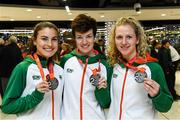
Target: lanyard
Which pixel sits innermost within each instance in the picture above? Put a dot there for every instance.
(51, 75)
(139, 60)
(130, 66)
(94, 51)
(95, 70)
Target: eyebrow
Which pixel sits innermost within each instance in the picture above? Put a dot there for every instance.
(48, 37)
(43, 36)
(86, 35)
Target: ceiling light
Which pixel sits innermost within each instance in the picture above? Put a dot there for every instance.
(11, 19)
(138, 12)
(67, 9)
(163, 14)
(38, 17)
(29, 10)
(102, 16)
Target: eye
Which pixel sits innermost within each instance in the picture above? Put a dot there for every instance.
(79, 38)
(119, 37)
(44, 38)
(129, 37)
(54, 39)
(89, 37)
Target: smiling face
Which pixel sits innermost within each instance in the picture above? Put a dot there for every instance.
(85, 42)
(46, 42)
(126, 41)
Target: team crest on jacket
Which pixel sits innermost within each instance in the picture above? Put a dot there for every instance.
(69, 70)
(114, 75)
(60, 76)
(36, 77)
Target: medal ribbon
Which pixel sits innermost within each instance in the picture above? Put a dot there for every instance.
(36, 58)
(139, 60)
(94, 51)
(95, 71)
(51, 74)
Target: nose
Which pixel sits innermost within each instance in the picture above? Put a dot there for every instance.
(84, 40)
(124, 41)
(49, 42)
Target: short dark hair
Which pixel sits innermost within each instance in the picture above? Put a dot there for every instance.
(164, 42)
(155, 42)
(82, 23)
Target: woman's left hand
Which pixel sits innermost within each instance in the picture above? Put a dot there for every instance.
(151, 86)
(102, 83)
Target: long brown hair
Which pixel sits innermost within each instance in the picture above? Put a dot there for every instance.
(37, 28)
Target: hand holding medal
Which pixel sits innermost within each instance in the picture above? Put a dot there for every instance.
(102, 83)
(151, 86)
(97, 80)
(43, 87)
(49, 79)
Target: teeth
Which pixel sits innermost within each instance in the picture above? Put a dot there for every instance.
(84, 46)
(48, 49)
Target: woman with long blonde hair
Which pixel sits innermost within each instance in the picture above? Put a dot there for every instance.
(138, 86)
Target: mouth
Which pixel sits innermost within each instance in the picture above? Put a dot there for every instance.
(85, 46)
(48, 49)
(124, 47)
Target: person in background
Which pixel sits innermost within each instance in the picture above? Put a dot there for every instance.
(138, 86)
(165, 60)
(100, 46)
(86, 75)
(65, 49)
(1, 47)
(34, 91)
(1, 42)
(10, 56)
(175, 57)
(156, 45)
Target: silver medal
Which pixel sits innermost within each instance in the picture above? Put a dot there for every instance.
(53, 84)
(94, 79)
(139, 76)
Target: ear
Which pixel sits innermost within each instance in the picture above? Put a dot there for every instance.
(34, 42)
(137, 41)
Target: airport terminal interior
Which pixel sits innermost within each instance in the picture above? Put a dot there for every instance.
(159, 18)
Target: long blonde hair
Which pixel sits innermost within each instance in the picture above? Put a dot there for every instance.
(142, 47)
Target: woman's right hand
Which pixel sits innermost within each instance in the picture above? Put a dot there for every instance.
(102, 83)
(43, 87)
